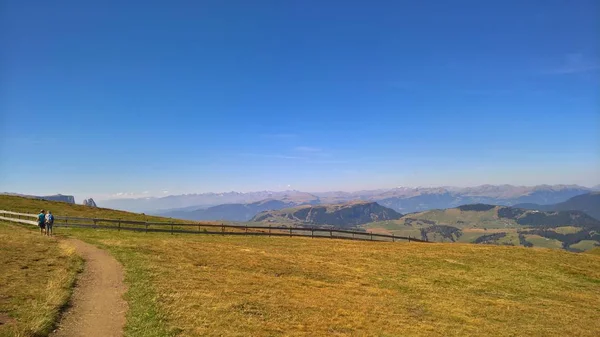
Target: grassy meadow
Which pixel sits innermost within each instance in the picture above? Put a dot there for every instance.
(36, 277)
(202, 285)
(238, 286)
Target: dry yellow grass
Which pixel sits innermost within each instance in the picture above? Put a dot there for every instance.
(36, 276)
(197, 285)
(242, 286)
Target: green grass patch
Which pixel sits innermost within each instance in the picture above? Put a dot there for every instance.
(465, 219)
(469, 237)
(584, 245)
(542, 242)
(567, 229)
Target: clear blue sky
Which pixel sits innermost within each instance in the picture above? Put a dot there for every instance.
(106, 97)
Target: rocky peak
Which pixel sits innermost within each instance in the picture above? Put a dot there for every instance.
(89, 202)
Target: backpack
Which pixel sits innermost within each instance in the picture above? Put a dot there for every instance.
(50, 218)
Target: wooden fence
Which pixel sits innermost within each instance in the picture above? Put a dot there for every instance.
(208, 228)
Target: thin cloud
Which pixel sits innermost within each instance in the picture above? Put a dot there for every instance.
(307, 149)
(276, 156)
(280, 135)
(126, 195)
(401, 84)
(486, 92)
(33, 140)
(318, 161)
(574, 64)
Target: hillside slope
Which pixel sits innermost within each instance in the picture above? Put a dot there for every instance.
(481, 223)
(588, 203)
(33, 206)
(57, 197)
(343, 215)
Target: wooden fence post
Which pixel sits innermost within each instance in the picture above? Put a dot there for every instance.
(312, 232)
(146, 226)
(269, 230)
(119, 225)
(330, 234)
(393, 238)
(290, 232)
(171, 229)
(371, 236)
(95, 225)
(198, 227)
(222, 228)
(246, 228)
(409, 238)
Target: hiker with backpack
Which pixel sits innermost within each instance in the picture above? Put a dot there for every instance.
(49, 223)
(41, 220)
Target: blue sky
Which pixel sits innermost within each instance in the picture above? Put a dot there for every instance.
(153, 97)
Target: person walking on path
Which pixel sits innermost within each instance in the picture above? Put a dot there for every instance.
(42, 221)
(49, 223)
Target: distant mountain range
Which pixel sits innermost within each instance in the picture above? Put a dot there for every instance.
(58, 197)
(230, 212)
(344, 215)
(202, 201)
(234, 206)
(588, 203)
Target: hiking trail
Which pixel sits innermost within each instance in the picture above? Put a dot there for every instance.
(97, 307)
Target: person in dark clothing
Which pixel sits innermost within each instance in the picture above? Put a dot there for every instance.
(42, 221)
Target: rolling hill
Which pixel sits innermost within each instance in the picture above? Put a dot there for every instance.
(342, 215)
(481, 223)
(588, 203)
(33, 205)
(229, 212)
(57, 197)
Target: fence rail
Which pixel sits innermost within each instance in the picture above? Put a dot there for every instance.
(209, 228)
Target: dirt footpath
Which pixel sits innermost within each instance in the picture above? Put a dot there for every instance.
(97, 307)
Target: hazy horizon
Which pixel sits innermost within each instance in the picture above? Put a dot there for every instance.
(100, 98)
(147, 194)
